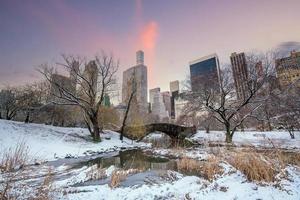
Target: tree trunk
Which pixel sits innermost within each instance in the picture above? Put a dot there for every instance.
(291, 132)
(96, 133)
(7, 115)
(125, 116)
(27, 117)
(228, 134)
(269, 125)
(242, 127)
(228, 138)
(207, 129)
(96, 128)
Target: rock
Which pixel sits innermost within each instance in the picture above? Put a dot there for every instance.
(223, 189)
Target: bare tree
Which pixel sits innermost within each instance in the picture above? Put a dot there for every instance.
(92, 83)
(288, 109)
(221, 101)
(34, 96)
(11, 101)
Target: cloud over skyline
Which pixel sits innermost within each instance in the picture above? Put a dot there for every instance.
(171, 32)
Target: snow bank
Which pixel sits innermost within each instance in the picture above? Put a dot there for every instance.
(280, 139)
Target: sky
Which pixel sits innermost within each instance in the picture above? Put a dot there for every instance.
(170, 32)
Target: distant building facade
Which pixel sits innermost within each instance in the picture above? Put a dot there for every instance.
(174, 89)
(167, 101)
(205, 72)
(180, 103)
(67, 83)
(152, 93)
(139, 71)
(240, 74)
(91, 74)
(288, 69)
(259, 70)
(159, 103)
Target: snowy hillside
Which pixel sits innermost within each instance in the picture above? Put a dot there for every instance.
(49, 143)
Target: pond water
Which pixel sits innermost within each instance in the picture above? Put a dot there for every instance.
(135, 159)
(154, 169)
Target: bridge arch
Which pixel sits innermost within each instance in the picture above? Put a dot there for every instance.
(176, 132)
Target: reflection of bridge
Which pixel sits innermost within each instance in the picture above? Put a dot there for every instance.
(174, 131)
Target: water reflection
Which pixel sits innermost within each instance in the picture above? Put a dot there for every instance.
(134, 159)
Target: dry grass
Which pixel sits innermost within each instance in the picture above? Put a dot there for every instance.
(120, 175)
(188, 165)
(258, 164)
(12, 167)
(12, 189)
(117, 177)
(255, 166)
(284, 158)
(207, 169)
(96, 173)
(14, 158)
(45, 190)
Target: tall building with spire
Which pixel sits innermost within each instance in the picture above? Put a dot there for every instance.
(138, 73)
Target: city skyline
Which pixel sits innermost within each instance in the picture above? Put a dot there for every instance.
(34, 33)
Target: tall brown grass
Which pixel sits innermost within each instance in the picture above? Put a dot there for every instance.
(208, 169)
(14, 158)
(96, 173)
(12, 167)
(120, 175)
(117, 177)
(255, 166)
(45, 191)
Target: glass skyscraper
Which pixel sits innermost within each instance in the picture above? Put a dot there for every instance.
(205, 72)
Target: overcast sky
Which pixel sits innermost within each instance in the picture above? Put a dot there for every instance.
(171, 32)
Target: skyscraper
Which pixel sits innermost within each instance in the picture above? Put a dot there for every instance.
(90, 73)
(139, 57)
(288, 69)
(205, 72)
(240, 73)
(67, 83)
(139, 72)
(158, 105)
(167, 101)
(152, 92)
(174, 89)
(73, 74)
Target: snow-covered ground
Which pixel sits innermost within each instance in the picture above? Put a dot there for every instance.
(280, 139)
(231, 185)
(50, 143)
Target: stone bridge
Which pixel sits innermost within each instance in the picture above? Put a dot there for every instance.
(176, 132)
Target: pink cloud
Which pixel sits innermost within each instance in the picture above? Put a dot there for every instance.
(148, 36)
